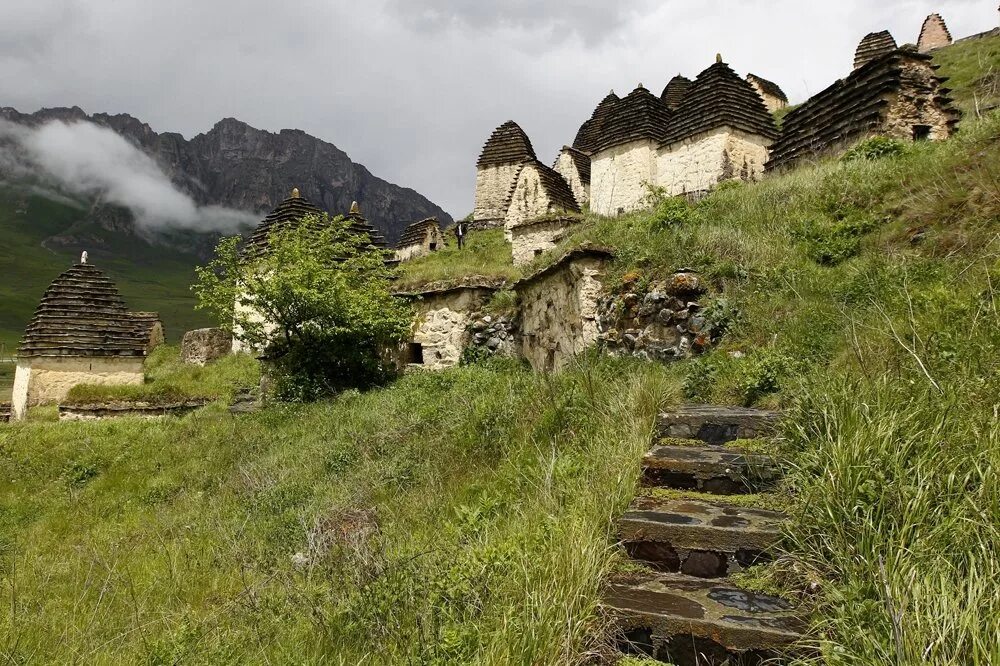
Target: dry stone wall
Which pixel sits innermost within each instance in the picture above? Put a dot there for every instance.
(663, 323)
(532, 239)
(135, 409)
(441, 329)
(204, 345)
(558, 309)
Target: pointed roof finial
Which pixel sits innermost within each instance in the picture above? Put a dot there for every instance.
(355, 209)
(83, 257)
(718, 57)
(295, 193)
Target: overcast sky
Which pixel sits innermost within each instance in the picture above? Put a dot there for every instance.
(412, 88)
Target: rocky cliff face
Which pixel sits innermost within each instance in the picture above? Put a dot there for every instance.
(239, 166)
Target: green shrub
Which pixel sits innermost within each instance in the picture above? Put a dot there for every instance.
(699, 379)
(830, 242)
(875, 148)
(317, 303)
(761, 374)
(671, 212)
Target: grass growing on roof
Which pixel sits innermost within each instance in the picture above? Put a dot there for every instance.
(486, 254)
(169, 379)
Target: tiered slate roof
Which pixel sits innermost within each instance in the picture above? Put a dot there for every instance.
(82, 315)
(290, 211)
(507, 145)
(638, 116)
(590, 131)
(416, 232)
(675, 90)
(873, 46)
(146, 321)
(556, 188)
(720, 97)
(361, 226)
(769, 87)
(849, 109)
(285, 214)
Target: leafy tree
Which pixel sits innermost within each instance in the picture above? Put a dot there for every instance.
(316, 302)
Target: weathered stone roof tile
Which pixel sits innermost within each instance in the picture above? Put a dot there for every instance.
(873, 46)
(82, 314)
(590, 132)
(769, 87)
(675, 90)
(639, 116)
(556, 187)
(416, 232)
(507, 145)
(720, 97)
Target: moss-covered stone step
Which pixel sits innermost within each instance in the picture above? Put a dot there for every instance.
(698, 538)
(717, 425)
(684, 620)
(713, 470)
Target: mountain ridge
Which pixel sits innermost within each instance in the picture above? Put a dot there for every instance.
(236, 165)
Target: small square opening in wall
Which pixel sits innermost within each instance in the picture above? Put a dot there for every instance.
(538, 253)
(921, 132)
(414, 353)
(434, 247)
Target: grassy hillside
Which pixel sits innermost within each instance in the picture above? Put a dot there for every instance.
(150, 278)
(467, 516)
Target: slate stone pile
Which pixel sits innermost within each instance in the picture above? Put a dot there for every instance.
(494, 335)
(665, 323)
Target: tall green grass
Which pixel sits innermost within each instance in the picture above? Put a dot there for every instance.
(462, 517)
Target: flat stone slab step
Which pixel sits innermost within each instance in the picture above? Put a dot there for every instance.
(709, 469)
(685, 620)
(698, 538)
(716, 424)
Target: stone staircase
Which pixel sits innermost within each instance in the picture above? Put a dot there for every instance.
(677, 606)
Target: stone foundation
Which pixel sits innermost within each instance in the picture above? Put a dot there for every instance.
(532, 239)
(48, 380)
(96, 412)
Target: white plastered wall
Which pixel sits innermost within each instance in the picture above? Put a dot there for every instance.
(566, 167)
(699, 163)
(43, 380)
(493, 186)
(619, 177)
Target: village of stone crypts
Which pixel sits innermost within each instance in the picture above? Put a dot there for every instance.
(741, 329)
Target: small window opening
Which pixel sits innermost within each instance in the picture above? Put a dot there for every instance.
(538, 253)
(414, 353)
(921, 132)
(434, 247)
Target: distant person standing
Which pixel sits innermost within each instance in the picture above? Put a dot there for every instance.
(460, 234)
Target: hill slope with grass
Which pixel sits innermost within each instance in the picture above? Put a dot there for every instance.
(468, 516)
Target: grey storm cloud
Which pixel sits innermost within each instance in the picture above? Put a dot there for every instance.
(592, 20)
(412, 88)
(88, 160)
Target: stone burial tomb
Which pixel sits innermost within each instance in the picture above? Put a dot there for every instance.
(81, 333)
